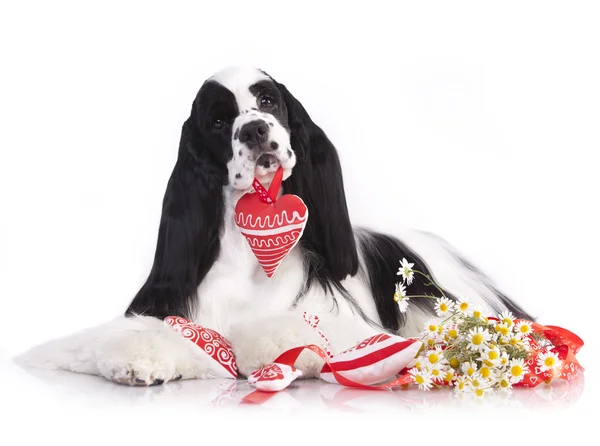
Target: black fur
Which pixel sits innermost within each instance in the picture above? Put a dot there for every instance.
(382, 255)
(328, 239)
(192, 212)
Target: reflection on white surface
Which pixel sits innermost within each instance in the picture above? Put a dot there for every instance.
(302, 395)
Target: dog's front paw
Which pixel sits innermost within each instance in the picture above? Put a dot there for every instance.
(139, 358)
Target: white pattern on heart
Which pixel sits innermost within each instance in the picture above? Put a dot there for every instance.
(245, 221)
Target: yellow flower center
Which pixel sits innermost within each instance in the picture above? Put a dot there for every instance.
(464, 306)
(430, 342)
(461, 385)
(504, 383)
(433, 358)
(514, 341)
(524, 329)
(477, 339)
(440, 329)
(504, 330)
(396, 298)
(433, 328)
(454, 363)
(485, 372)
(516, 370)
(418, 365)
(449, 376)
(452, 333)
(475, 383)
(504, 360)
(549, 361)
(497, 328)
(443, 307)
(507, 321)
(435, 372)
(479, 392)
(419, 379)
(470, 371)
(493, 354)
(476, 313)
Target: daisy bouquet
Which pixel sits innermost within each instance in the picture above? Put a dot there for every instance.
(478, 354)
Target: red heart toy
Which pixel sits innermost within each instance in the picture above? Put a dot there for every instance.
(272, 226)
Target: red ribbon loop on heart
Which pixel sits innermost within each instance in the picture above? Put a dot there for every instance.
(269, 196)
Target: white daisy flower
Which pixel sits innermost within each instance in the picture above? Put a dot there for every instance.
(517, 369)
(400, 297)
(506, 317)
(435, 357)
(400, 292)
(523, 328)
(422, 378)
(469, 368)
(478, 312)
(491, 356)
(464, 306)
(436, 371)
(502, 329)
(450, 331)
(431, 329)
(480, 385)
(449, 376)
(443, 306)
(504, 360)
(477, 338)
(462, 384)
(406, 271)
(548, 361)
(504, 384)
(515, 340)
(403, 304)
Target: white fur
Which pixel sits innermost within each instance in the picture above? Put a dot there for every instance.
(245, 164)
(239, 301)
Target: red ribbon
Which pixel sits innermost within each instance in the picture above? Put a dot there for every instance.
(269, 196)
(289, 358)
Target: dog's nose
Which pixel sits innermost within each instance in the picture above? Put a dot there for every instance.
(253, 133)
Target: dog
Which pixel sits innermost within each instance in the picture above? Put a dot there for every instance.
(245, 125)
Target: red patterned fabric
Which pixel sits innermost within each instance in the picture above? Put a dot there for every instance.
(374, 360)
(273, 377)
(210, 342)
(565, 344)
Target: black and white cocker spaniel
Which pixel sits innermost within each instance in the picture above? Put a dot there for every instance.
(244, 124)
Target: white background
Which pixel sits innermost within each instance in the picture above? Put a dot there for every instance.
(474, 120)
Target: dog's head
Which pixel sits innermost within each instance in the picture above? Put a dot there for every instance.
(245, 125)
(242, 115)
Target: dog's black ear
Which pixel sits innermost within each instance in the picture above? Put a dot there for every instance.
(188, 236)
(317, 179)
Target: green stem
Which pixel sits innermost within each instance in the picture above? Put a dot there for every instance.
(420, 295)
(431, 282)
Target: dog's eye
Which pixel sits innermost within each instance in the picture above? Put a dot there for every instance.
(218, 124)
(267, 101)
